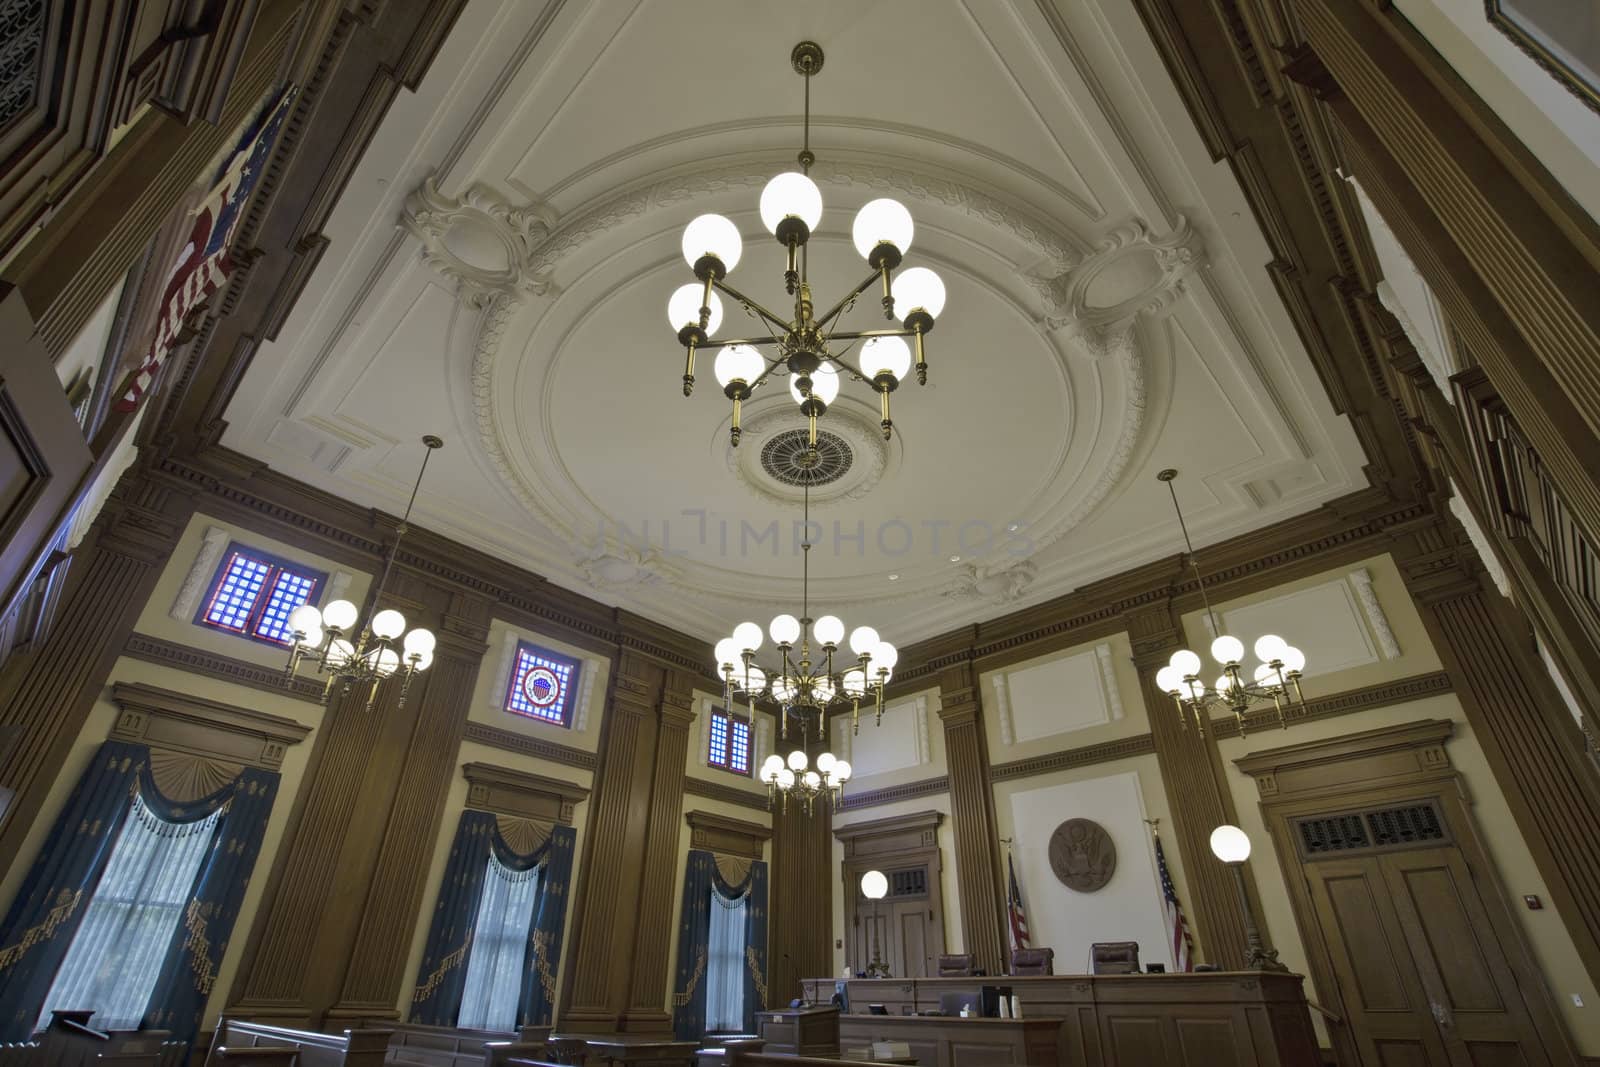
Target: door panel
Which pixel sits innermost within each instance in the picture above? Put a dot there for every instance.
(912, 927)
(1383, 994)
(1461, 962)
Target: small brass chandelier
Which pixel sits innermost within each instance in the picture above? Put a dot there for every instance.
(319, 636)
(1274, 678)
(808, 347)
(806, 681)
(793, 777)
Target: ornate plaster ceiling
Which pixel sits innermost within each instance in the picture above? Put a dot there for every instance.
(500, 265)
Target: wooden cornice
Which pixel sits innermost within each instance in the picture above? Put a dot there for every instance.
(224, 668)
(711, 826)
(890, 794)
(519, 793)
(164, 718)
(895, 825)
(727, 794)
(538, 747)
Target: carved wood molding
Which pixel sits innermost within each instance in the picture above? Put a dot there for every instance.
(518, 793)
(224, 668)
(1405, 753)
(162, 718)
(728, 794)
(889, 794)
(1382, 695)
(719, 833)
(912, 832)
(1082, 756)
(522, 744)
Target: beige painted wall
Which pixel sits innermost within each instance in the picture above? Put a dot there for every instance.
(907, 747)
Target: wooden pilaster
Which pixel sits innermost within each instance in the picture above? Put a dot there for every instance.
(977, 843)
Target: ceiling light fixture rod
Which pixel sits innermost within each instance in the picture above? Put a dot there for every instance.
(1169, 476)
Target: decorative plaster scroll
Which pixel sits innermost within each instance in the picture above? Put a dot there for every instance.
(763, 742)
(580, 717)
(924, 748)
(479, 240)
(1002, 705)
(199, 576)
(1108, 680)
(1361, 581)
(1102, 324)
(1486, 553)
(846, 738)
(999, 583)
(338, 585)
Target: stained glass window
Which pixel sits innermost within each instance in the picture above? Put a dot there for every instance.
(730, 744)
(253, 593)
(543, 685)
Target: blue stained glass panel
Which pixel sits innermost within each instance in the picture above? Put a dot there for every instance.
(729, 747)
(288, 592)
(235, 593)
(541, 685)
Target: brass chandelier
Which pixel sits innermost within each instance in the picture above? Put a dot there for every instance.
(1274, 678)
(812, 675)
(808, 347)
(321, 637)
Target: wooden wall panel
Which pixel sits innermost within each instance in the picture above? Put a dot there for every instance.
(977, 844)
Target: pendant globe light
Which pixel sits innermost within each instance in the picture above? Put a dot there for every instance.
(807, 347)
(1275, 677)
(379, 652)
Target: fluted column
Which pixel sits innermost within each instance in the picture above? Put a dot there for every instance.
(46, 695)
(800, 935)
(647, 996)
(977, 844)
(376, 972)
(1197, 796)
(1518, 717)
(598, 976)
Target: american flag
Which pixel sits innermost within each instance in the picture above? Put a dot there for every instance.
(1178, 937)
(1019, 921)
(204, 264)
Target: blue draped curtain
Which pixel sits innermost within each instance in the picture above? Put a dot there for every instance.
(700, 880)
(195, 955)
(442, 978)
(544, 937)
(51, 904)
(437, 999)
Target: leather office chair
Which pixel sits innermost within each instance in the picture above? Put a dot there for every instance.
(958, 965)
(1033, 961)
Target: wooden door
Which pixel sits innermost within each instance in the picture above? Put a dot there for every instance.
(1423, 975)
(1385, 1003)
(912, 958)
(1473, 993)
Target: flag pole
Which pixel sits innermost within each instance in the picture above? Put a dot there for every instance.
(1011, 933)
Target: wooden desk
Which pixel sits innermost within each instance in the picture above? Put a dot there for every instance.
(951, 1041)
(1220, 1019)
(812, 1031)
(625, 1051)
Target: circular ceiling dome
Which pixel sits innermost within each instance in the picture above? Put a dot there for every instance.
(787, 457)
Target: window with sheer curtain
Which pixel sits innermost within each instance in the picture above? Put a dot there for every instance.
(725, 965)
(499, 948)
(117, 953)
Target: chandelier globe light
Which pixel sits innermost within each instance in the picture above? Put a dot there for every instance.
(806, 347)
(1274, 678)
(384, 647)
(811, 675)
(795, 777)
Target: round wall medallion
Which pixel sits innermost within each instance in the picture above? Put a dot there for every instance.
(1083, 855)
(785, 458)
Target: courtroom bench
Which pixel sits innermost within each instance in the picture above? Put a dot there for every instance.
(69, 1041)
(237, 1041)
(1219, 1018)
(456, 1046)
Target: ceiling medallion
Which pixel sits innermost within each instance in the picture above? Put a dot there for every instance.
(1273, 679)
(791, 459)
(320, 635)
(809, 348)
